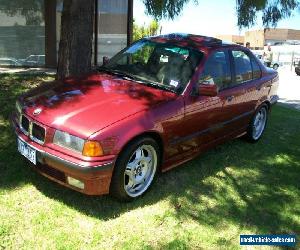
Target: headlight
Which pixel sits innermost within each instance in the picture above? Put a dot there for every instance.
(87, 148)
(68, 141)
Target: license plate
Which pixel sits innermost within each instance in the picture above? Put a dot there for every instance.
(27, 151)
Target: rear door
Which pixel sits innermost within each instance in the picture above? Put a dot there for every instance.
(243, 93)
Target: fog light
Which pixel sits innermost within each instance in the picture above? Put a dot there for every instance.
(76, 183)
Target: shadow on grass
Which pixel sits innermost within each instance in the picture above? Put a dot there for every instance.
(253, 185)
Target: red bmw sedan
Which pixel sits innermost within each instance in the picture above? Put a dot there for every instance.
(152, 107)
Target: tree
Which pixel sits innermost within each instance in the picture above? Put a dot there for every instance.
(76, 42)
(168, 9)
(247, 10)
(31, 10)
(272, 11)
(142, 31)
(76, 57)
(75, 50)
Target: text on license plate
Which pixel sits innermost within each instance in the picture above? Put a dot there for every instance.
(27, 151)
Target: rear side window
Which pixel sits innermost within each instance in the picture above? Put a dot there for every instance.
(256, 69)
(217, 70)
(242, 65)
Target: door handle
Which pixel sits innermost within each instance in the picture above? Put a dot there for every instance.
(229, 98)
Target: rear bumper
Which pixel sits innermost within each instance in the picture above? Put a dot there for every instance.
(95, 176)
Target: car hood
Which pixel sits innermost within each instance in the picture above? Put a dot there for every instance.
(83, 106)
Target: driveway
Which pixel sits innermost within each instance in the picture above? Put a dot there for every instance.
(289, 87)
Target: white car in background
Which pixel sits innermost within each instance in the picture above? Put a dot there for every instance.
(33, 61)
(275, 65)
(9, 62)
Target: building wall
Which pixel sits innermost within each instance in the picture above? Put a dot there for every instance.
(276, 34)
(232, 38)
(258, 38)
(255, 38)
(293, 35)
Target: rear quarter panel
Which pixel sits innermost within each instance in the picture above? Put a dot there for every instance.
(268, 86)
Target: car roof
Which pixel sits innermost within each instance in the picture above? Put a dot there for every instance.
(192, 41)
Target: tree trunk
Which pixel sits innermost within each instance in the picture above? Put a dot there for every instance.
(76, 40)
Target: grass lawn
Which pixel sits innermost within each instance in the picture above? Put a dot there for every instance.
(237, 188)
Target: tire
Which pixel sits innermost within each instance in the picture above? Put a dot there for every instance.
(258, 124)
(275, 66)
(135, 169)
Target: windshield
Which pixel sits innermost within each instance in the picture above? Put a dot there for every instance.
(160, 65)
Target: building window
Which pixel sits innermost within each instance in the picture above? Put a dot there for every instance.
(22, 34)
(112, 27)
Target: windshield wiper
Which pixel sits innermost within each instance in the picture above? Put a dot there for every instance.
(118, 73)
(125, 74)
(131, 77)
(159, 86)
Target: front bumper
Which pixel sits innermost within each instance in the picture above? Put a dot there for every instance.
(96, 175)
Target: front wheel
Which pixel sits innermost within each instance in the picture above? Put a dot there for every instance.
(135, 169)
(258, 123)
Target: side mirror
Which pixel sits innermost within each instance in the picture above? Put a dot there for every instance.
(208, 89)
(105, 60)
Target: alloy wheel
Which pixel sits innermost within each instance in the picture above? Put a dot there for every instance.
(259, 123)
(140, 170)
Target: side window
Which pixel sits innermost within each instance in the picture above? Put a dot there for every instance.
(217, 70)
(256, 69)
(242, 65)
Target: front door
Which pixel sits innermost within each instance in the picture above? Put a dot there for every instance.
(204, 115)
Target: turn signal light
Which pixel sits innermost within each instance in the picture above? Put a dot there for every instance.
(92, 148)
